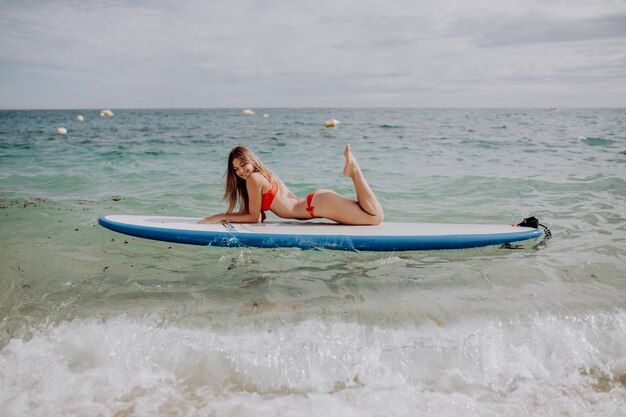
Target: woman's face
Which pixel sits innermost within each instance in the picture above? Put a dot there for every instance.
(242, 169)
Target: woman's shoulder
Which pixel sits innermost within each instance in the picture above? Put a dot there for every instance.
(256, 179)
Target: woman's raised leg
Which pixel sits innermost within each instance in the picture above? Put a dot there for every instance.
(364, 194)
(365, 211)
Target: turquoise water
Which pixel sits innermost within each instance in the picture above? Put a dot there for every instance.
(97, 323)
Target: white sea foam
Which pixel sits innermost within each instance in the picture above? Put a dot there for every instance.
(123, 366)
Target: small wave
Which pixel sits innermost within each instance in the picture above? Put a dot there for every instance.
(154, 153)
(385, 126)
(596, 141)
(19, 146)
(112, 154)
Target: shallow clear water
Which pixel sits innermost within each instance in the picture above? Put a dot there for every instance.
(97, 323)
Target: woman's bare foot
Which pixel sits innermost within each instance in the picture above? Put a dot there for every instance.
(352, 166)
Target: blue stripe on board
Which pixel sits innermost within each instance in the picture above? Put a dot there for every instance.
(335, 242)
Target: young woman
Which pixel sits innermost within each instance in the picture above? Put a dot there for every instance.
(252, 189)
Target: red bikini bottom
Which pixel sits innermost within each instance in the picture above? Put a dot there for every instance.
(309, 207)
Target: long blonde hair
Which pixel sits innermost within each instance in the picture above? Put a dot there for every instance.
(235, 191)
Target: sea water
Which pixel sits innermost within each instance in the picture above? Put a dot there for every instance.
(94, 323)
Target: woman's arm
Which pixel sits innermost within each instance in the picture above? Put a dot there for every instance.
(253, 185)
(229, 217)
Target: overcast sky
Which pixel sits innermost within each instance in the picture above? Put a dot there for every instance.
(338, 53)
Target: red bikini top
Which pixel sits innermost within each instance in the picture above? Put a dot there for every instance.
(267, 199)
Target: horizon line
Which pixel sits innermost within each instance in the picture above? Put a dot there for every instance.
(308, 107)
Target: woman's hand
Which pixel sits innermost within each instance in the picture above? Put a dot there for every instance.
(230, 217)
(216, 218)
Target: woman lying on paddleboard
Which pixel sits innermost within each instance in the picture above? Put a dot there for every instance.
(252, 189)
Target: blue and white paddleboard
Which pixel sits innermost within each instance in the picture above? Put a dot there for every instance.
(308, 235)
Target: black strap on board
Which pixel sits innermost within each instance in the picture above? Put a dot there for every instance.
(534, 223)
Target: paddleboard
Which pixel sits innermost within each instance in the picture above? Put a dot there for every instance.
(310, 234)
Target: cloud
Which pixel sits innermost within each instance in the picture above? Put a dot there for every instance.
(306, 53)
(530, 29)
